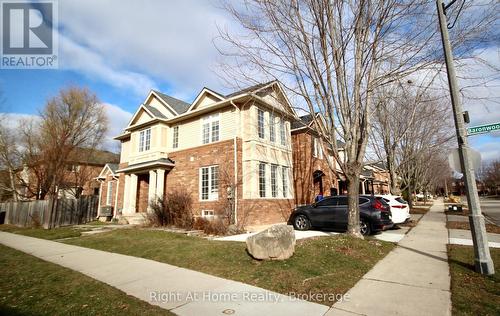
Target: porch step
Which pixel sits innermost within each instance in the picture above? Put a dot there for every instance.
(136, 219)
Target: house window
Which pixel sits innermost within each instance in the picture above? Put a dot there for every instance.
(210, 131)
(145, 140)
(284, 181)
(175, 141)
(274, 181)
(209, 183)
(262, 179)
(208, 214)
(272, 134)
(317, 151)
(260, 122)
(283, 132)
(109, 193)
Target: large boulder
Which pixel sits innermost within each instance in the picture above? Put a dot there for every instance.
(274, 243)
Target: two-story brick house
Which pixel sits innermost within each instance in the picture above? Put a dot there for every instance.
(216, 148)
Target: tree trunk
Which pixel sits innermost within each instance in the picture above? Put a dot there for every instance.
(353, 206)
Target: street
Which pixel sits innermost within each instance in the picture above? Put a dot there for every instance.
(491, 209)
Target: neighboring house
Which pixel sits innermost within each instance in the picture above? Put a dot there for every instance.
(313, 163)
(79, 177)
(226, 151)
(375, 179)
(312, 172)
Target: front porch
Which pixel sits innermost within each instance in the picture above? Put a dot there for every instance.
(144, 184)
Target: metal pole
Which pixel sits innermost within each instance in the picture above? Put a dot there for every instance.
(483, 262)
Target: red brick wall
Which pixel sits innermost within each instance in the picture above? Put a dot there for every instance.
(142, 197)
(304, 164)
(185, 174)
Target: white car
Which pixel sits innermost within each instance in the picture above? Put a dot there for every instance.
(399, 208)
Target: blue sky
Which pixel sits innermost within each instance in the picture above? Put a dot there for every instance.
(121, 49)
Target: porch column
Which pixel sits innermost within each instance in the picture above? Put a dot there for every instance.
(99, 202)
(126, 198)
(133, 193)
(151, 189)
(160, 183)
(363, 187)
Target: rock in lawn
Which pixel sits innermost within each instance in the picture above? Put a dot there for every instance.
(274, 243)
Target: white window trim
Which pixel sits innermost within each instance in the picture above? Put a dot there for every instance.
(212, 195)
(272, 128)
(284, 181)
(175, 137)
(283, 132)
(274, 181)
(109, 193)
(144, 141)
(263, 125)
(208, 214)
(210, 120)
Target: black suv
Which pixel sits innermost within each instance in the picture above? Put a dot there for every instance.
(331, 213)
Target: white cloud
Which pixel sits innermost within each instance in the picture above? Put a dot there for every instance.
(116, 41)
(84, 60)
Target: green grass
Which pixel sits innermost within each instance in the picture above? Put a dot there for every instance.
(471, 292)
(327, 265)
(51, 234)
(30, 286)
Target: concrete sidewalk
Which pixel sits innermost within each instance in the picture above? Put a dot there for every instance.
(182, 291)
(413, 279)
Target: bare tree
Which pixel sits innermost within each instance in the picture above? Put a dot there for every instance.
(9, 158)
(333, 55)
(73, 119)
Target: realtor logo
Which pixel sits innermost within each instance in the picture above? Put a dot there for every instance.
(29, 38)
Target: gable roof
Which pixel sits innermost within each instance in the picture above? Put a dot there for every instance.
(154, 111)
(303, 121)
(109, 166)
(205, 91)
(253, 88)
(179, 106)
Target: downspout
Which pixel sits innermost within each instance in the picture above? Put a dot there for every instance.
(115, 209)
(235, 160)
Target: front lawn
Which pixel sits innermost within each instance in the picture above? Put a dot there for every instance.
(51, 234)
(471, 292)
(326, 265)
(31, 286)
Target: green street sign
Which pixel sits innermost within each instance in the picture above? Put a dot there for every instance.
(483, 129)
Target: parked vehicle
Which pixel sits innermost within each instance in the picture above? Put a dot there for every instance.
(399, 208)
(332, 213)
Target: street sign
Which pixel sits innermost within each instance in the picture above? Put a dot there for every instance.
(454, 159)
(483, 129)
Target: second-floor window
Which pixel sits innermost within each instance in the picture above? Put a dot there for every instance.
(209, 184)
(145, 140)
(175, 140)
(260, 123)
(317, 151)
(210, 131)
(272, 134)
(283, 132)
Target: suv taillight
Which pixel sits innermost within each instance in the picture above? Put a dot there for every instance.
(399, 206)
(379, 206)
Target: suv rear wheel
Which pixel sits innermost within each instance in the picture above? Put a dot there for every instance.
(364, 228)
(301, 222)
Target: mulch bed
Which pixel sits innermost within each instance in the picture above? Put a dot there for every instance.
(419, 210)
(490, 228)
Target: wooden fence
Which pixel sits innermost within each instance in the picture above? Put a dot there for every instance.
(51, 213)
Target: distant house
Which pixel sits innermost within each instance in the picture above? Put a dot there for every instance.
(227, 151)
(79, 177)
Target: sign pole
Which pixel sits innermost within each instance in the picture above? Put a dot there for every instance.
(483, 262)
